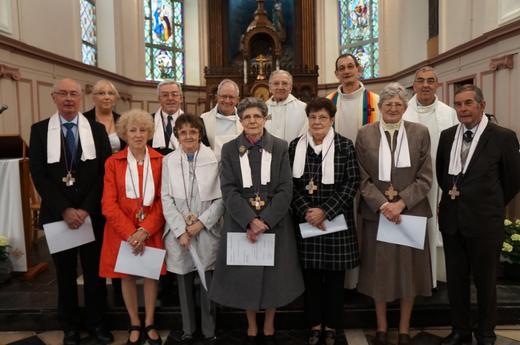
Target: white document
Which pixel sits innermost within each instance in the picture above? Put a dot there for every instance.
(410, 232)
(337, 224)
(60, 237)
(148, 265)
(241, 252)
(198, 265)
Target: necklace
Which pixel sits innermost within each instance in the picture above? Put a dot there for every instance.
(391, 192)
(140, 215)
(68, 179)
(311, 187)
(191, 217)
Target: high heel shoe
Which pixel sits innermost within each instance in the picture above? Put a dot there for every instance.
(140, 340)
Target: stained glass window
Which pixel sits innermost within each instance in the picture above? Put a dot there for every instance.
(359, 32)
(164, 39)
(88, 31)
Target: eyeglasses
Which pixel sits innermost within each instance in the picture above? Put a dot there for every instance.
(105, 93)
(63, 93)
(392, 105)
(429, 81)
(168, 94)
(228, 97)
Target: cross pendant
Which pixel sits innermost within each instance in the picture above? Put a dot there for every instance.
(391, 193)
(139, 215)
(454, 192)
(68, 180)
(257, 202)
(191, 218)
(311, 187)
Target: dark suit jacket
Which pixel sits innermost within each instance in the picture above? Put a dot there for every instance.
(88, 187)
(491, 181)
(91, 115)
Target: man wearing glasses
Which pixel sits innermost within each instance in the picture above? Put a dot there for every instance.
(67, 155)
(222, 123)
(170, 99)
(425, 108)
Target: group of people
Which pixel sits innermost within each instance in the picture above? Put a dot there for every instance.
(186, 183)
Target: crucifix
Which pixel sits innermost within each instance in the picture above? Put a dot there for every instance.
(391, 193)
(261, 59)
(311, 187)
(454, 192)
(257, 202)
(68, 180)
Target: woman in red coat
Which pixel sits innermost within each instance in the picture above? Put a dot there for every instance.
(132, 207)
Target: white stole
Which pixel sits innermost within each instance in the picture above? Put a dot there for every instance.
(287, 119)
(88, 148)
(206, 173)
(327, 165)
(217, 141)
(265, 169)
(158, 135)
(132, 179)
(455, 167)
(401, 153)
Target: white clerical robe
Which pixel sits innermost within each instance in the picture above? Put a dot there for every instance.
(220, 129)
(348, 103)
(437, 117)
(287, 119)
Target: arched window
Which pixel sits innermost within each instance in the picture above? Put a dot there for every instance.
(88, 32)
(164, 39)
(359, 32)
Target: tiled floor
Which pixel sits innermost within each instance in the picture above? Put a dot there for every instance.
(506, 335)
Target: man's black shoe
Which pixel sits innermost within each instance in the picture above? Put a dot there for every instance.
(457, 338)
(70, 338)
(102, 335)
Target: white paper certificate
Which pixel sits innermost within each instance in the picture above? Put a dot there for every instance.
(60, 237)
(410, 232)
(241, 252)
(335, 225)
(148, 265)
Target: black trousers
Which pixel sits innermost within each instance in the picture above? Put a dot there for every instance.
(324, 297)
(94, 287)
(477, 257)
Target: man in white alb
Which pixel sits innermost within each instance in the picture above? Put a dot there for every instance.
(286, 117)
(356, 106)
(222, 123)
(425, 108)
(170, 99)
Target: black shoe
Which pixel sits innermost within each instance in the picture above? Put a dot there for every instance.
(151, 341)
(140, 340)
(329, 337)
(380, 338)
(489, 340)
(70, 337)
(314, 337)
(210, 341)
(251, 340)
(457, 338)
(404, 339)
(102, 335)
(270, 340)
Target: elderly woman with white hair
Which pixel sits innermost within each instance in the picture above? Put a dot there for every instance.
(396, 175)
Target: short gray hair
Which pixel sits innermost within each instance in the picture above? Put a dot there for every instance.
(391, 90)
(479, 97)
(55, 86)
(168, 82)
(280, 71)
(228, 81)
(427, 69)
(251, 102)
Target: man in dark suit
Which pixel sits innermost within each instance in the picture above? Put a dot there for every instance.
(67, 154)
(169, 93)
(478, 169)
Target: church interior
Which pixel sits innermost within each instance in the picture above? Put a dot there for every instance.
(137, 43)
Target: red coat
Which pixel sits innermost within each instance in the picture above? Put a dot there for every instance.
(120, 211)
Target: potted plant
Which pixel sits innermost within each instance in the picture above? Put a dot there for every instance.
(510, 255)
(6, 267)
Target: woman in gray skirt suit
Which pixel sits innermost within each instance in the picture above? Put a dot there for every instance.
(256, 188)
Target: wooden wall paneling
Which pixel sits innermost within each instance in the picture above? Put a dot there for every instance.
(137, 104)
(152, 106)
(216, 32)
(25, 107)
(45, 105)
(451, 86)
(9, 120)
